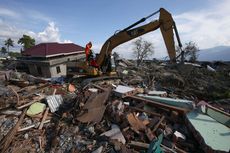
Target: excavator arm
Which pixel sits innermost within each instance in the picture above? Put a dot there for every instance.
(166, 25)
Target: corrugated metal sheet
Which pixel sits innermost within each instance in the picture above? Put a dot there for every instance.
(54, 102)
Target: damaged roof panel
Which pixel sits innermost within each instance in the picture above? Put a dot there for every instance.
(53, 49)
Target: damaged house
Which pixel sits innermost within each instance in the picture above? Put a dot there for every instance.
(51, 59)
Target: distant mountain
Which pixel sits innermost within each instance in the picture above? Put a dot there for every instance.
(219, 53)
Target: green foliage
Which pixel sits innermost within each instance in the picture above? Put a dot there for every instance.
(3, 50)
(26, 41)
(142, 49)
(14, 54)
(9, 42)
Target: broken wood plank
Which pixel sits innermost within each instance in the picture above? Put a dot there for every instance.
(10, 112)
(54, 92)
(27, 128)
(140, 145)
(99, 87)
(41, 142)
(165, 148)
(6, 141)
(18, 99)
(149, 134)
(158, 124)
(36, 90)
(30, 103)
(44, 118)
(32, 126)
(178, 150)
(146, 111)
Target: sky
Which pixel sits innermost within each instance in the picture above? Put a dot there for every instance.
(205, 22)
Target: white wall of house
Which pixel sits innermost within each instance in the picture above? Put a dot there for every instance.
(58, 70)
(54, 67)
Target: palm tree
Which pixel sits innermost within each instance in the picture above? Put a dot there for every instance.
(26, 41)
(9, 42)
(3, 50)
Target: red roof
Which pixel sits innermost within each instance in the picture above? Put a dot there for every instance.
(52, 49)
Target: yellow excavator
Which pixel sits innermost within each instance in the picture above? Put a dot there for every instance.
(166, 25)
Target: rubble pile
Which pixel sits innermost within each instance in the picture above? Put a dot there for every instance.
(192, 81)
(143, 111)
(89, 121)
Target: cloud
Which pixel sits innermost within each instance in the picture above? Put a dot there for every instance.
(6, 31)
(36, 16)
(96, 47)
(13, 24)
(208, 27)
(8, 13)
(67, 41)
(49, 34)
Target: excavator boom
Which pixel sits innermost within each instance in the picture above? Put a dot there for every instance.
(165, 23)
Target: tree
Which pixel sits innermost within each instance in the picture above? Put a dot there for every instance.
(14, 54)
(9, 42)
(3, 50)
(26, 41)
(189, 51)
(142, 49)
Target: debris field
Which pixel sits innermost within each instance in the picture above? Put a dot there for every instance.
(144, 109)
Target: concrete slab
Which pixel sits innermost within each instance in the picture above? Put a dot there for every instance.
(215, 134)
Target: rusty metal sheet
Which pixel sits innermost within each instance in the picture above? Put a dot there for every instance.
(93, 115)
(135, 122)
(95, 107)
(97, 100)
